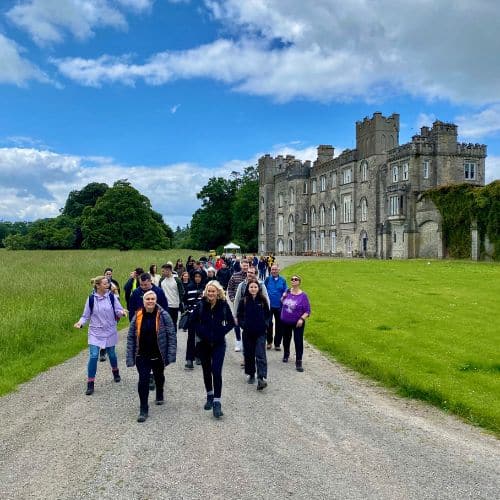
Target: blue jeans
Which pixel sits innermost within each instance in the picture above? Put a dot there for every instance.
(94, 357)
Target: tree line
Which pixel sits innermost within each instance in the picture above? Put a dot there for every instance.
(100, 216)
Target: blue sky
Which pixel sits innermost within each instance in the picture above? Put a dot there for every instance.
(168, 93)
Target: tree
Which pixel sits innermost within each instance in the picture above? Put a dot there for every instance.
(12, 228)
(123, 218)
(86, 197)
(211, 224)
(245, 210)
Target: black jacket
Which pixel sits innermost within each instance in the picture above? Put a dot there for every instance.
(212, 324)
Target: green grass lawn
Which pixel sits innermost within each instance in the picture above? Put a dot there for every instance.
(43, 294)
(430, 329)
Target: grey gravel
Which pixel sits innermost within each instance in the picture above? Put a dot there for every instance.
(326, 433)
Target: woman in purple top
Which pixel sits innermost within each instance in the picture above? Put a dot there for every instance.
(103, 310)
(296, 309)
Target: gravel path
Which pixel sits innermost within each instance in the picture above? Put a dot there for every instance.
(325, 433)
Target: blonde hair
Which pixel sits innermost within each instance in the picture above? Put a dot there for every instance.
(97, 281)
(220, 291)
(149, 292)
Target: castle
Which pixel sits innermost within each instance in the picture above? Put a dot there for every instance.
(367, 201)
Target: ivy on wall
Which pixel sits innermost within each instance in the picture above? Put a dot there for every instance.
(460, 206)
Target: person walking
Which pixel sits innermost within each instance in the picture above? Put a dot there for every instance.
(212, 319)
(173, 290)
(192, 296)
(151, 346)
(276, 286)
(232, 287)
(296, 309)
(103, 310)
(253, 317)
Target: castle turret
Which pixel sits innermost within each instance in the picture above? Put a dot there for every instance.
(325, 153)
(376, 135)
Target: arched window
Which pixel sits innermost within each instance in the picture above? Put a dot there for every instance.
(262, 202)
(313, 216)
(292, 196)
(305, 217)
(281, 246)
(280, 200)
(334, 215)
(364, 210)
(280, 224)
(304, 189)
(364, 171)
(291, 224)
(322, 215)
(262, 227)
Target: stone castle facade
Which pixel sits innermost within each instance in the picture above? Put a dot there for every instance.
(367, 201)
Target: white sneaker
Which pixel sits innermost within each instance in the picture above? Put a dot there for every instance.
(237, 346)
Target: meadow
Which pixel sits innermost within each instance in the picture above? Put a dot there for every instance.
(429, 329)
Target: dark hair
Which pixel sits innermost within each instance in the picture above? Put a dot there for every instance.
(260, 295)
(145, 277)
(167, 266)
(151, 267)
(139, 271)
(107, 269)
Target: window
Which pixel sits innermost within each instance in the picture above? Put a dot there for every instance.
(280, 200)
(262, 228)
(280, 224)
(305, 217)
(262, 201)
(281, 246)
(322, 215)
(347, 176)
(322, 183)
(314, 186)
(334, 215)
(364, 210)
(469, 170)
(322, 241)
(292, 196)
(395, 172)
(426, 168)
(305, 246)
(334, 242)
(347, 208)
(313, 242)
(334, 179)
(313, 216)
(394, 205)
(406, 170)
(304, 189)
(291, 224)
(364, 171)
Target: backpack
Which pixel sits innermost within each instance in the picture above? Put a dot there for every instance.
(112, 300)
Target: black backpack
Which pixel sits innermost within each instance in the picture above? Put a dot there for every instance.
(112, 300)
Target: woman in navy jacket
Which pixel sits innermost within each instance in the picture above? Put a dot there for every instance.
(212, 319)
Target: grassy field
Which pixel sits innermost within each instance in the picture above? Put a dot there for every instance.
(429, 329)
(42, 296)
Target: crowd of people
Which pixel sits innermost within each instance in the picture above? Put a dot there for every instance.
(208, 297)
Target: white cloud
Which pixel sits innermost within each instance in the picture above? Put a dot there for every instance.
(36, 184)
(492, 169)
(174, 108)
(14, 68)
(49, 21)
(331, 50)
(482, 124)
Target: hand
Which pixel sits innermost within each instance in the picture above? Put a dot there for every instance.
(125, 313)
(300, 322)
(77, 325)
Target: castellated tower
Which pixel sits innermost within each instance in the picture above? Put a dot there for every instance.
(376, 135)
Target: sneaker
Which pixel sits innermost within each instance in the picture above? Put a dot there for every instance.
(237, 346)
(298, 366)
(210, 402)
(116, 376)
(102, 355)
(189, 365)
(251, 380)
(159, 402)
(143, 415)
(152, 385)
(261, 384)
(269, 347)
(90, 389)
(277, 348)
(285, 359)
(217, 409)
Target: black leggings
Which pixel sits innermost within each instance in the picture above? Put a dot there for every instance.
(144, 367)
(212, 359)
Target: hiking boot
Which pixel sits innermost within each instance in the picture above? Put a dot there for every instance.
(143, 415)
(90, 388)
(159, 398)
(217, 409)
(298, 366)
(261, 384)
(189, 365)
(116, 375)
(210, 402)
(285, 359)
(251, 380)
(102, 355)
(277, 348)
(197, 361)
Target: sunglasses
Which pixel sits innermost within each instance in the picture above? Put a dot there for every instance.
(294, 279)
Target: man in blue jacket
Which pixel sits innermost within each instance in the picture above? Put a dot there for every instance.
(276, 286)
(136, 299)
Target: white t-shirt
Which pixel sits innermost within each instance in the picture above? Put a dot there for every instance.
(169, 286)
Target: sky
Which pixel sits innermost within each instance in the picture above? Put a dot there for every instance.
(168, 93)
